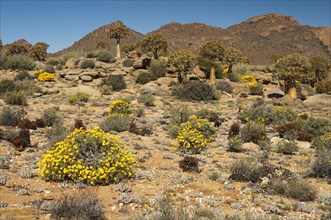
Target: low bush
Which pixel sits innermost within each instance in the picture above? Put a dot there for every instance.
(287, 147)
(323, 87)
(104, 55)
(53, 61)
(206, 64)
(255, 88)
(19, 62)
(127, 63)
(196, 90)
(301, 191)
(15, 98)
(189, 164)
(22, 141)
(235, 144)
(10, 116)
(89, 156)
(224, 86)
(120, 106)
(79, 97)
(83, 205)
(22, 76)
(252, 132)
(87, 64)
(116, 82)
(117, 123)
(50, 117)
(233, 77)
(7, 85)
(234, 130)
(146, 99)
(56, 133)
(322, 166)
(49, 68)
(157, 69)
(143, 78)
(210, 116)
(240, 69)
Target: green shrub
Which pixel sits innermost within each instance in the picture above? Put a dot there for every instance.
(10, 116)
(104, 55)
(252, 132)
(224, 86)
(189, 164)
(83, 205)
(287, 147)
(19, 62)
(323, 87)
(196, 90)
(234, 130)
(316, 126)
(206, 64)
(49, 68)
(300, 190)
(255, 88)
(22, 76)
(56, 133)
(235, 144)
(92, 156)
(143, 78)
(233, 77)
(322, 142)
(116, 82)
(249, 170)
(87, 64)
(53, 61)
(51, 117)
(79, 97)
(146, 99)
(322, 165)
(23, 140)
(157, 69)
(7, 85)
(15, 98)
(241, 69)
(117, 123)
(127, 63)
(120, 107)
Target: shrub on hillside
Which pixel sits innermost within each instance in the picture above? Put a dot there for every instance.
(117, 123)
(255, 88)
(116, 82)
(287, 147)
(120, 106)
(87, 64)
(7, 85)
(92, 157)
(234, 130)
(301, 191)
(196, 90)
(49, 68)
(51, 117)
(104, 55)
(240, 69)
(19, 62)
(143, 78)
(10, 116)
(224, 86)
(323, 87)
(22, 75)
(79, 97)
(83, 205)
(235, 144)
(252, 132)
(127, 63)
(189, 164)
(157, 69)
(146, 99)
(15, 98)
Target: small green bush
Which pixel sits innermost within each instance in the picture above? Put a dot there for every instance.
(206, 64)
(146, 99)
(196, 90)
(143, 78)
(224, 86)
(240, 69)
(252, 132)
(53, 61)
(233, 77)
(10, 116)
(7, 85)
(79, 97)
(323, 87)
(51, 117)
(87, 64)
(83, 205)
(15, 98)
(301, 191)
(22, 76)
(19, 62)
(157, 69)
(117, 123)
(127, 63)
(255, 89)
(116, 82)
(235, 144)
(287, 147)
(56, 133)
(104, 55)
(49, 68)
(234, 130)
(189, 164)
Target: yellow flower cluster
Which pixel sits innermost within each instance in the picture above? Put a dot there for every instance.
(93, 157)
(45, 77)
(247, 79)
(194, 135)
(37, 72)
(252, 84)
(226, 70)
(120, 106)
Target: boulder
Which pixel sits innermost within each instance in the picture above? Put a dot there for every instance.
(93, 74)
(39, 65)
(142, 62)
(118, 73)
(72, 63)
(71, 77)
(86, 78)
(133, 55)
(166, 81)
(49, 91)
(198, 73)
(155, 89)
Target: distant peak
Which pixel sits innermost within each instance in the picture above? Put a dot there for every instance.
(271, 18)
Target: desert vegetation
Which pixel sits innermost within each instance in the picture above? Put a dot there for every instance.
(163, 134)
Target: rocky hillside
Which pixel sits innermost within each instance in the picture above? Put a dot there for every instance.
(258, 37)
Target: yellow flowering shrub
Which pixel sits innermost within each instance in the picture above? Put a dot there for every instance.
(255, 88)
(37, 72)
(93, 157)
(247, 78)
(226, 70)
(45, 77)
(120, 106)
(194, 135)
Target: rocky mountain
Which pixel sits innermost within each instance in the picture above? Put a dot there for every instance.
(258, 37)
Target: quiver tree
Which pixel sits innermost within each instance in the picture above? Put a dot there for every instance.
(39, 51)
(232, 56)
(291, 68)
(154, 42)
(182, 61)
(321, 66)
(213, 51)
(102, 45)
(17, 47)
(118, 31)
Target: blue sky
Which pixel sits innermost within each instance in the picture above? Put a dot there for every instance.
(61, 23)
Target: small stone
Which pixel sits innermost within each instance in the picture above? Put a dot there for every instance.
(86, 78)
(236, 205)
(47, 197)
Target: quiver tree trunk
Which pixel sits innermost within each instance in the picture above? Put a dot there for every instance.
(290, 88)
(230, 68)
(118, 50)
(212, 79)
